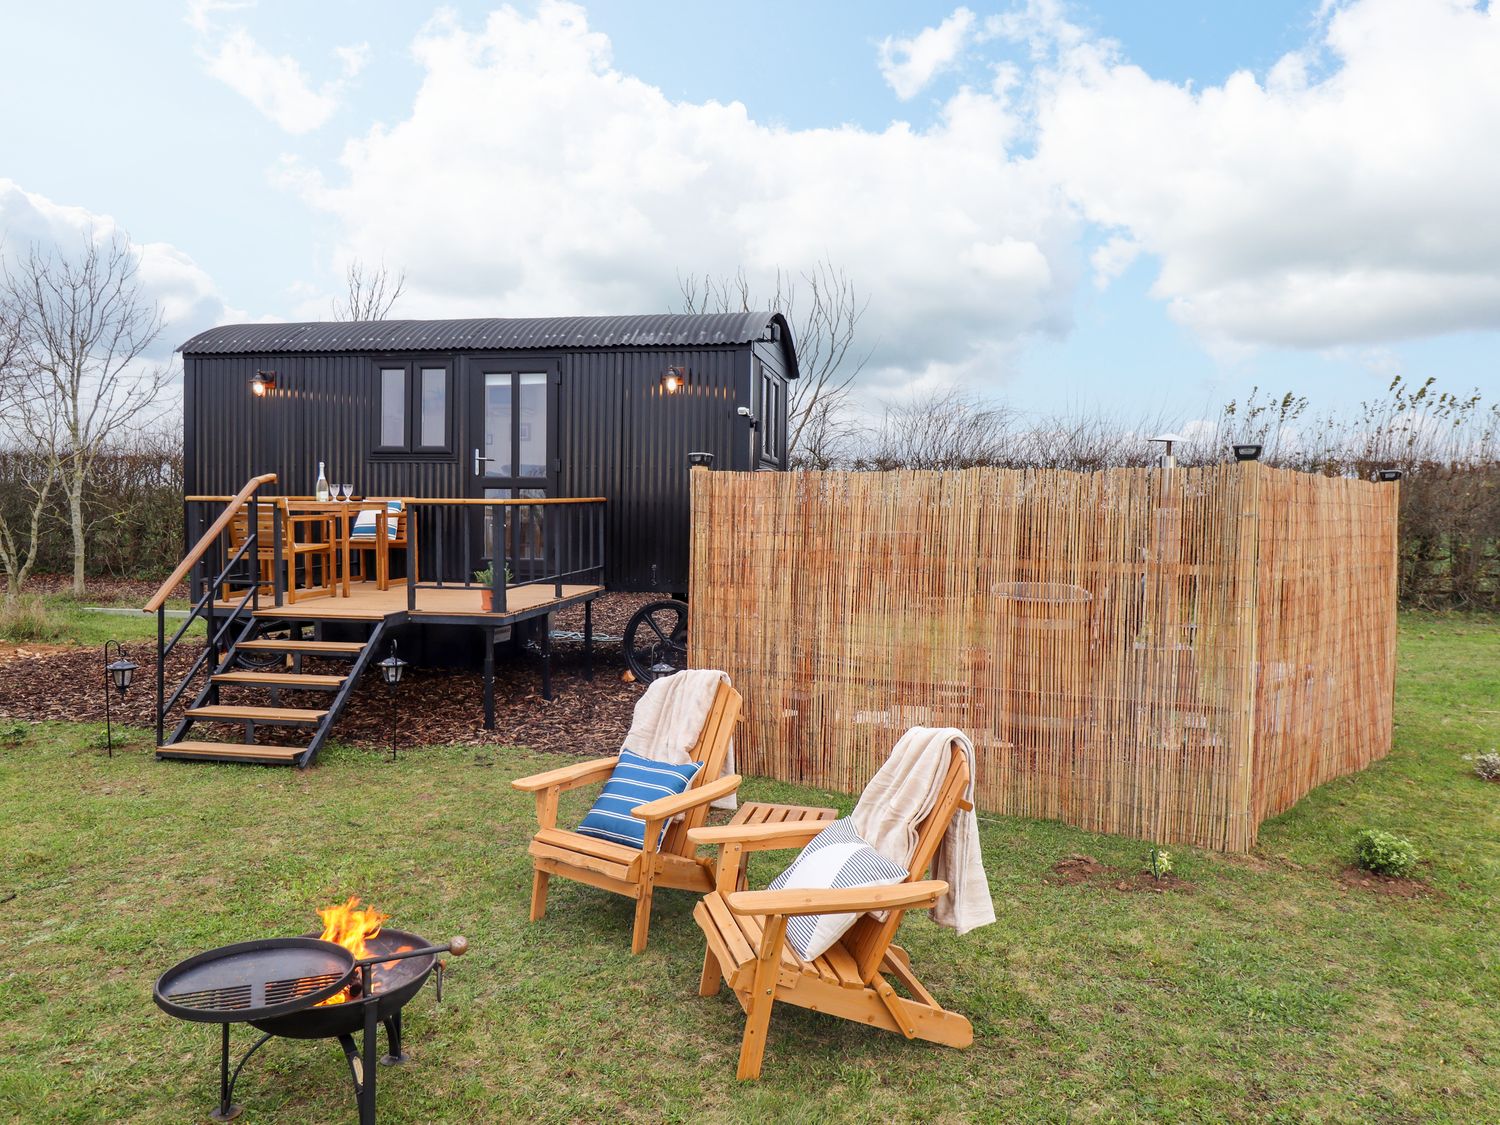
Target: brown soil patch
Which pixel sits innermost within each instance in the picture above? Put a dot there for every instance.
(1086, 871)
(103, 591)
(1395, 886)
(29, 649)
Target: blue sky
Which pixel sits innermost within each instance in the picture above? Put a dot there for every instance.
(1084, 207)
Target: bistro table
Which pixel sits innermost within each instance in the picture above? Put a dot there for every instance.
(345, 513)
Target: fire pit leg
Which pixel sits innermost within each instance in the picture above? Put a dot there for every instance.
(227, 1110)
(367, 1091)
(396, 1055)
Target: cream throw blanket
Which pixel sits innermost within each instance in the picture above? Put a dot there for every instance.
(669, 718)
(901, 795)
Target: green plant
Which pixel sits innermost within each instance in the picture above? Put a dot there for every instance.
(1487, 766)
(1161, 863)
(1385, 853)
(14, 733)
(486, 576)
(26, 619)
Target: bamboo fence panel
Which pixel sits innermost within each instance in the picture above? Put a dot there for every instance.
(1168, 654)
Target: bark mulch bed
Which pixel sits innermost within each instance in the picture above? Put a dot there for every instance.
(1086, 871)
(434, 707)
(103, 591)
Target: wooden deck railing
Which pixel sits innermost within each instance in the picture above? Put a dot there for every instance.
(208, 539)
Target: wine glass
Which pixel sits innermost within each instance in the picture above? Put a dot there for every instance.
(345, 492)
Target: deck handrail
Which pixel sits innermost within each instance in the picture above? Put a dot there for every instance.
(207, 540)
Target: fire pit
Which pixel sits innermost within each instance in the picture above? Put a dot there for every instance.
(309, 988)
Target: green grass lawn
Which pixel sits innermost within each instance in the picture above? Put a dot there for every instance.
(70, 620)
(1269, 991)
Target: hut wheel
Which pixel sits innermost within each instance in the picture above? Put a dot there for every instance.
(656, 640)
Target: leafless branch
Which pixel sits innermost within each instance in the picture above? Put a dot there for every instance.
(371, 293)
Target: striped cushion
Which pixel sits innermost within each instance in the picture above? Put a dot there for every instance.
(364, 523)
(835, 858)
(635, 781)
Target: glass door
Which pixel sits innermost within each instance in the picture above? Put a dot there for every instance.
(513, 456)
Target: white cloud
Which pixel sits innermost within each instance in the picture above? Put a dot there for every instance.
(274, 84)
(531, 177)
(908, 65)
(1304, 211)
(189, 300)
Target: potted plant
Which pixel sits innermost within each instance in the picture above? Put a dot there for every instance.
(486, 580)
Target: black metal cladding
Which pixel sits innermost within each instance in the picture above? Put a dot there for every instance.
(617, 433)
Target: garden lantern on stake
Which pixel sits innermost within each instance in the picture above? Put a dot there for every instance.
(390, 671)
(120, 675)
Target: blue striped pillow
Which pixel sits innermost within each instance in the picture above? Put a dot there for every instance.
(835, 858)
(364, 522)
(635, 781)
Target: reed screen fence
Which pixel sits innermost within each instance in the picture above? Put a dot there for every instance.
(1169, 654)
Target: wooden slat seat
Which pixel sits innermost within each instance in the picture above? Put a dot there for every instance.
(745, 932)
(669, 860)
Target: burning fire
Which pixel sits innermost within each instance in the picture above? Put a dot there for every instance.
(347, 925)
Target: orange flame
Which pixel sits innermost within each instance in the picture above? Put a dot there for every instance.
(347, 925)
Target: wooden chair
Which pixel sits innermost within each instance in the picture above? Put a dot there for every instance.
(388, 532)
(311, 538)
(625, 870)
(746, 936)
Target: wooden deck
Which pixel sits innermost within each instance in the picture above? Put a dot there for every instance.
(455, 604)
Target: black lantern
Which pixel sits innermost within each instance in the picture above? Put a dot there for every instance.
(701, 460)
(390, 671)
(1247, 452)
(1389, 475)
(673, 379)
(263, 382)
(121, 674)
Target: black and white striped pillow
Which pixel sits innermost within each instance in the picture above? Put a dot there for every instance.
(835, 858)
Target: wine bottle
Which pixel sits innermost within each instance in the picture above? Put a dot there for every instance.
(321, 489)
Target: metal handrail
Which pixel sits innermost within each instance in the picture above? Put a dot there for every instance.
(208, 539)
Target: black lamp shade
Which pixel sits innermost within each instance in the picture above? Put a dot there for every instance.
(1389, 475)
(1247, 452)
(701, 460)
(122, 672)
(391, 668)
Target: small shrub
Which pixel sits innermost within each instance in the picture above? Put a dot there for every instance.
(1385, 853)
(1487, 766)
(1161, 863)
(14, 733)
(26, 619)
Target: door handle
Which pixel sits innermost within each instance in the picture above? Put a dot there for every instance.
(478, 460)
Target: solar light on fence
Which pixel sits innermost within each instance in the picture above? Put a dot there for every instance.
(1389, 475)
(121, 674)
(263, 382)
(1246, 452)
(1167, 440)
(701, 460)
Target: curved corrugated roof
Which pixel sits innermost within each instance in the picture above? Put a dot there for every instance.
(495, 334)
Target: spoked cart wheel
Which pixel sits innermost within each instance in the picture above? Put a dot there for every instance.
(656, 640)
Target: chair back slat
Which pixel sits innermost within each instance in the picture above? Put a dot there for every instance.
(870, 937)
(711, 749)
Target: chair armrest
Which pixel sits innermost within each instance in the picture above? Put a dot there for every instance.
(849, 900)
(664, 807)
(759, 837)
(566, 777)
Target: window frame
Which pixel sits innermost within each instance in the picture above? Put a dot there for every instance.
(771, 389)
(411, 449)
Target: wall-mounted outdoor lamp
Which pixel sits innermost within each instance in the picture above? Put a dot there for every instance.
(1247, 452)
(263, 382)
(673, 379)
(701, 460)
(121, 673)
(390, 671)
(1168, 440)
(1389, 475)
(746, 413)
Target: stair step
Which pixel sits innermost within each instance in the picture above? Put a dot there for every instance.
(327, 648)
(270, 716)
(309, 681)
(229, 752)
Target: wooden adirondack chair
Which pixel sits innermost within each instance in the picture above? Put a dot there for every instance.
(624, 870)
(746, 935)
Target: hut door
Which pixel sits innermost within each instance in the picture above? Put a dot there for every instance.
(513, 409)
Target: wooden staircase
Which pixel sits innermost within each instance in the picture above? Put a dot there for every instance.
(265, 706)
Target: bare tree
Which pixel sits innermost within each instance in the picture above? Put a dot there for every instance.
(84, 326)
(824, 308)
(28, 460)
(942, 429)
(371, 293)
